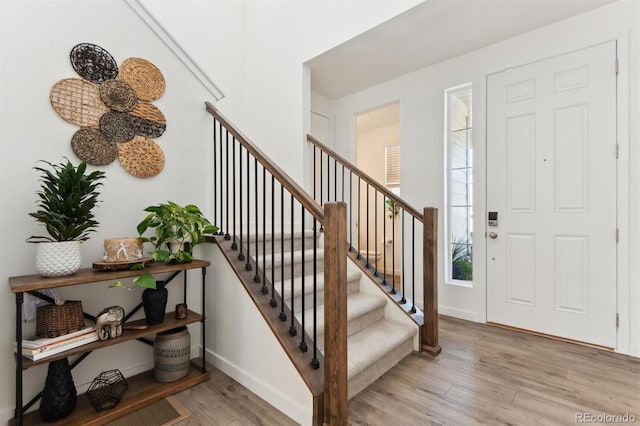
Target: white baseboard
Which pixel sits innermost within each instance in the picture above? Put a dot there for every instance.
(634, 350)
(459, 313)
(299, 413)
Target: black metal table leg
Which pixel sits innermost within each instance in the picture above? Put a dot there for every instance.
(204, 362)
(19, 300)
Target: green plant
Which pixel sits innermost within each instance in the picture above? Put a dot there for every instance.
(143, 281)
(67, 197)
(392, 208)
(461, 261)
(177, 230)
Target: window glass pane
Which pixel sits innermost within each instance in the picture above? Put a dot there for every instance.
(459, 185)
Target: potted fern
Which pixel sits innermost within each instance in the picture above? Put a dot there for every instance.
(67, 197)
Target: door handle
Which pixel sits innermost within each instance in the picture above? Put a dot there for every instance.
(493, 235)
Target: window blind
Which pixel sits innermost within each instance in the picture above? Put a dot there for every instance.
(392, 165)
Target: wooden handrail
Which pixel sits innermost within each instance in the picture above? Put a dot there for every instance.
(368, 179)
(289, 184)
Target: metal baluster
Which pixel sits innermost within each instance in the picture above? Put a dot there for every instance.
(350, 210)
(226, 235)
(234, 244)
(342, 182)
(335, 180)
(375, 233)
(314, 362)
(413, 275)
(393, 253)
(248, 266)
(256, 278)
(303, 343)
(384, 244)
(328, 178)
(321, 182)
(314, 173)
(273, 302)
(403, 300)
(264, 288)
(241, 254)
(367, 265)
(220, 224)
(215, 175)
(321, 185)
(359, 219)
(292, 328)
(283, 316)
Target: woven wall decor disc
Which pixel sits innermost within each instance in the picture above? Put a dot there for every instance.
(145, 78)
(147, 120)
(141, 157)
(93, 63)
(117, 126)
(78, 102)
(118, 95)
(92, 147)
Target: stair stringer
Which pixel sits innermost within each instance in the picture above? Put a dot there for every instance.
(236, 331)
(391, 310)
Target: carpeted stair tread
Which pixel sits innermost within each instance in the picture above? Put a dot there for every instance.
(308, 283)
(297, 257)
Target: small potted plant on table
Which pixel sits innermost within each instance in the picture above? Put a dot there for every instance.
(67, 198)
(177, 230)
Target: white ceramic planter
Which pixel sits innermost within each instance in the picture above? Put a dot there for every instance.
(57, 259)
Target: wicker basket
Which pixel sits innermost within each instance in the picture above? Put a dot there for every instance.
(57, 320)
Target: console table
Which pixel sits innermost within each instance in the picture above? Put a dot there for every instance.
(143, 389)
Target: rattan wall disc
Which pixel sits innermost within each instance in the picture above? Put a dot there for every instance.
(78, 102)
(149, 112)
(145, 78)
(141, 157)
(147, 120)
(118, 95)
(117, 126)
(93, 63)
(92, 147)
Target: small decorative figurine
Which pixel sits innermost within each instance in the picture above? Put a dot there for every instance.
(109, 322)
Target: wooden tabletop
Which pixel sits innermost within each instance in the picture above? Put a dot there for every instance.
(32, 282)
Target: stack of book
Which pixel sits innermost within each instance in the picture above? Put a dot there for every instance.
(36, 348)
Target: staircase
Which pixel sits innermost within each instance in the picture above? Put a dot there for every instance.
(340, 321)
(375, 343)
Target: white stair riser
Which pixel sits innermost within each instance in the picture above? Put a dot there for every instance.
(383, 364)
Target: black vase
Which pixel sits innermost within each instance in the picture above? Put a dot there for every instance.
(154, 303)
(59, 395)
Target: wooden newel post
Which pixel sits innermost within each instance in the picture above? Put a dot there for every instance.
(336, 408)
(430, 281)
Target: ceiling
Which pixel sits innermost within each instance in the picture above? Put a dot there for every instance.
(431, 32)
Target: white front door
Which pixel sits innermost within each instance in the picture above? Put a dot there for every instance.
(551, 178)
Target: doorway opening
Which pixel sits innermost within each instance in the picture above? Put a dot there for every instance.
(378, 154)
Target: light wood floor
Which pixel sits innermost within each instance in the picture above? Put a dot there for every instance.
(484, 375)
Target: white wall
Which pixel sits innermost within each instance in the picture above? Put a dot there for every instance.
(421, 96)
(241, 345)
(36, 38)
